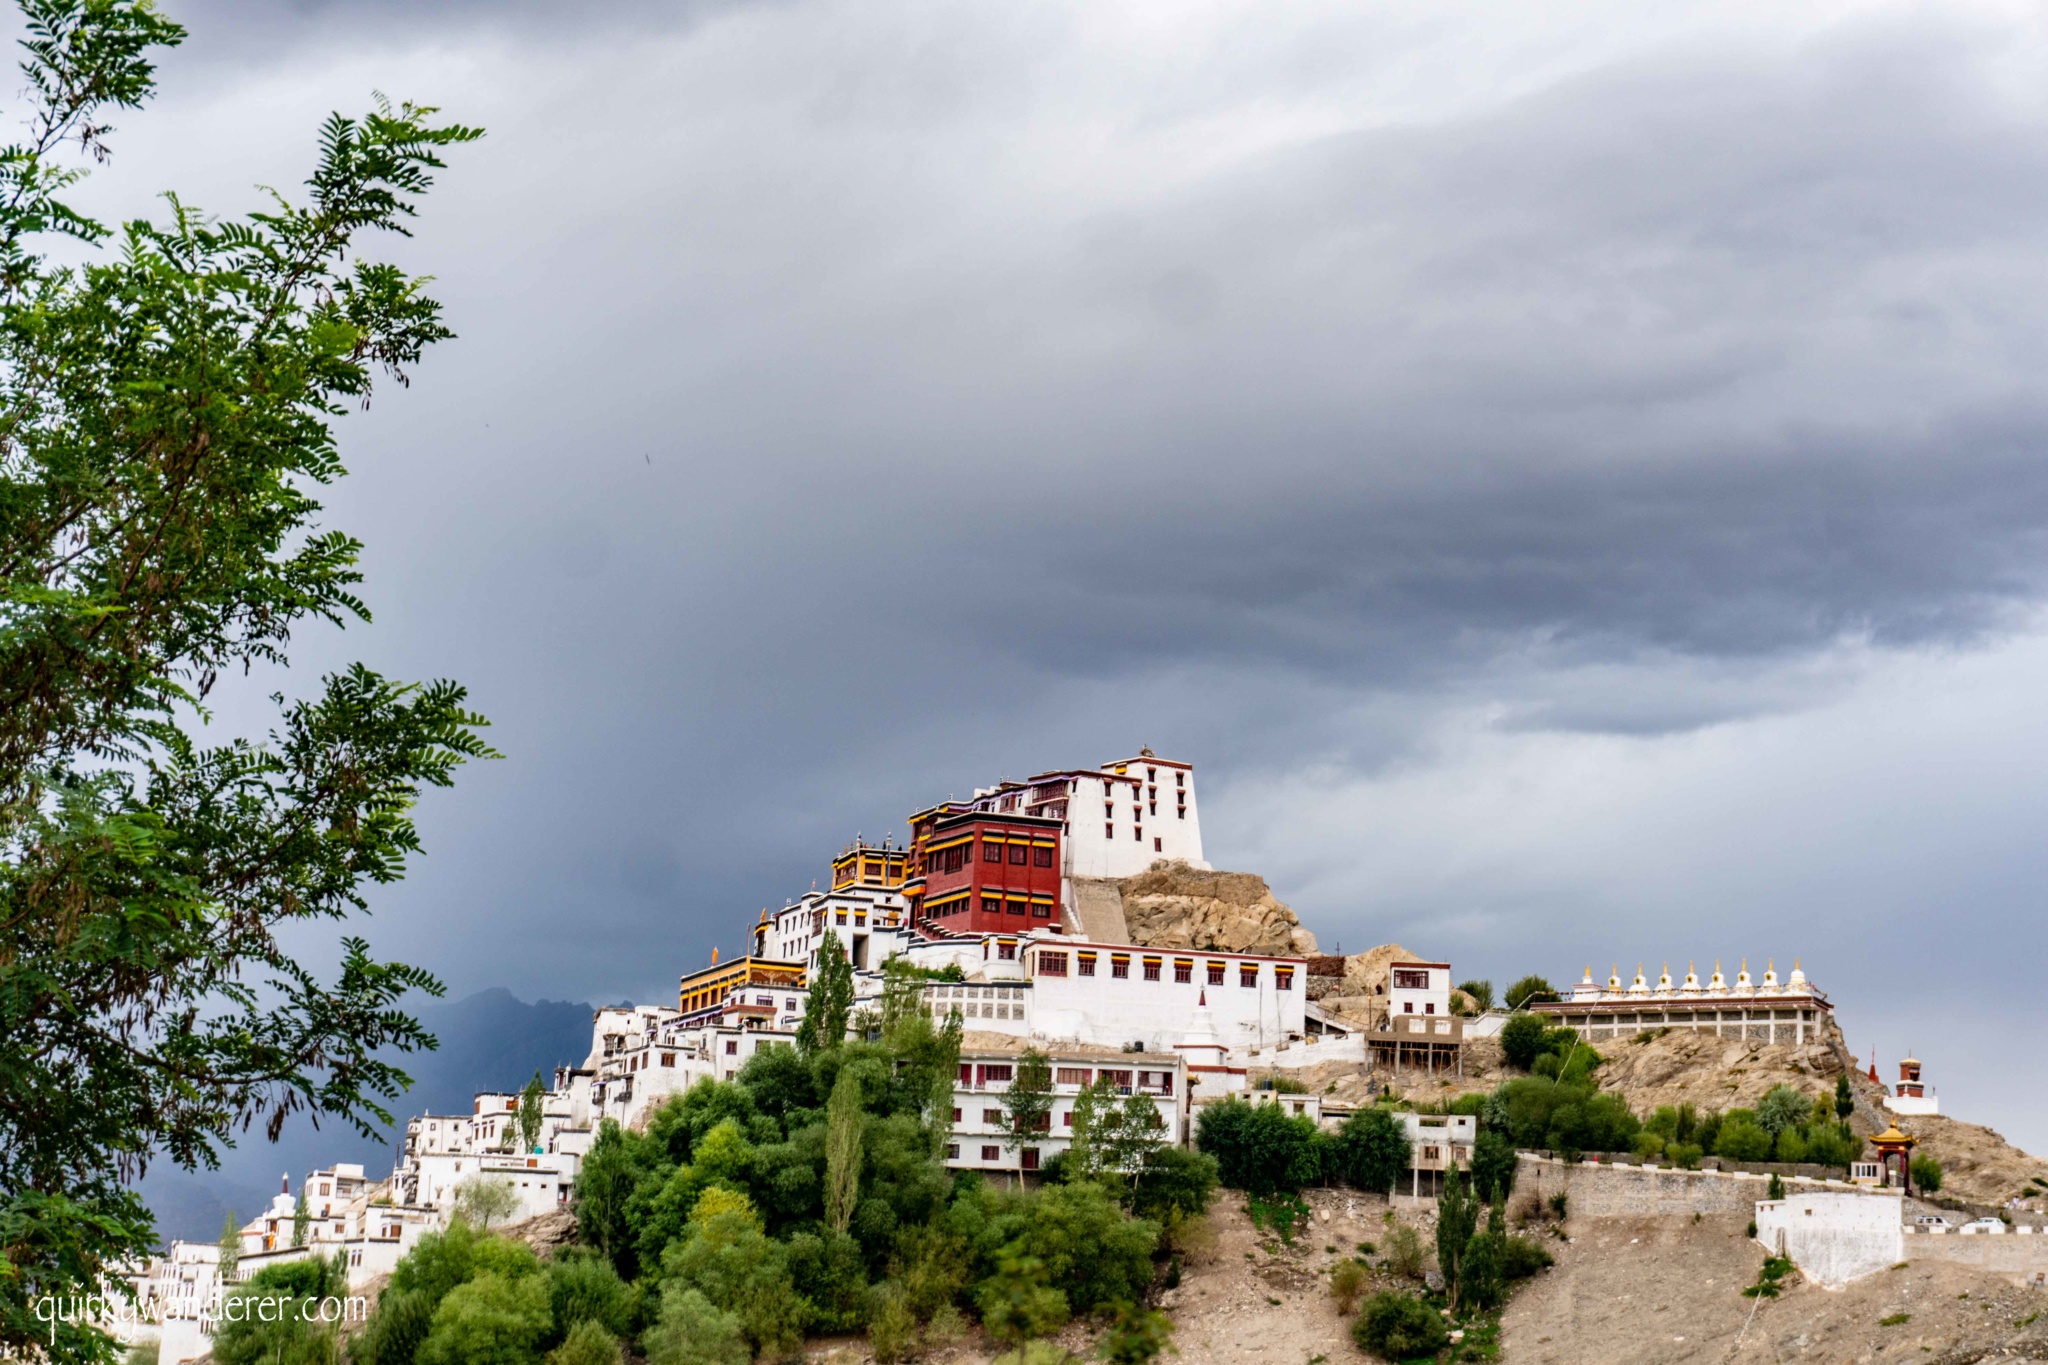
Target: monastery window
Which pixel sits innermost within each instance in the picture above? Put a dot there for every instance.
(1283, 978)
(1084, 964)
(990, 1153)
(1052, 964)
(1018, 853)
(1120, 968)
(1029, 1158)
(1042, 911)
(732, 1047)
(1067, 1119)
(952, 1151)
(1120, 1080)
(1109, 831)
(992, 1117)
(668, 1059)
(1180, 779)
(1151, 969)
(995, 1071)
(1407, 1007)
(956, 1113)
(1007, 951)
(839, 916)
(1071, 1075)
(991, 851)
(1139, 834)
(1247, 975)
(1041, 856)
(1182, 812)
(1158, 844)
(1152, 807)
(1183, 972)
(1429, 1008)
(1018, 907)
(992, 905)
(1215, 973)
(1410, 980)
(966, 1078)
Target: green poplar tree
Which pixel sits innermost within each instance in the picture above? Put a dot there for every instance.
(1027, 1104)
(830, 1002)
(1457, 1214)
(530, 1114)
(843, 1125)
(1845, 1099)
(230, 1249)
(165, 411)
(302, 1219)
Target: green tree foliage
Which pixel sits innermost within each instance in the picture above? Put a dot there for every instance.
(1742, 1138)
(1373, 1150)
(1521, 1040)
(1089, 1250)
(530, 1115)
(1259, 1148)
(583, 1288)
(691, 1331)
(275, 1318)
(1027, 1103)
(230, 1249)
(493, 1319)
(1457, 1217)
(831, 999)
(302, 1219)
(1173, 1180)
(483, 1200)
(1783, 1108)
(1493, 1165)
(588, 1343)
(843, 1122)
(1136, 1334)
(1017, 1302)
(1399, 1327)
(1538, 1112)
(1926, 1174)
(1530, 990)
(1845, 1099)
(605, 1185)
(739, 1270)
(167, 406)
(1480, 993)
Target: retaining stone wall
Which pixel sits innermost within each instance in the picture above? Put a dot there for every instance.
(1605, 1190)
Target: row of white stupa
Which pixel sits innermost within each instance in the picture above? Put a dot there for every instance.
(1796, 984)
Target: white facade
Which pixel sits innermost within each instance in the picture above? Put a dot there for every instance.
(1054, 986)
(869, 920)
(1119, 818)
(1834, 1236)
(640, 1057)
(1767, 1011)
(988, 1066)
(1418, 988)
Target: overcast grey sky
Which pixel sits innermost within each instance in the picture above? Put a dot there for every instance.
(1569, 476)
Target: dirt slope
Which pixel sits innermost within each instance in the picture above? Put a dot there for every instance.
(1652, 1291)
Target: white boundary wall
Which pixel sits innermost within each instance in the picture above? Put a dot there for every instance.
(1834, 1236)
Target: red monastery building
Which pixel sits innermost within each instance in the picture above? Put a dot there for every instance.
(984, 873)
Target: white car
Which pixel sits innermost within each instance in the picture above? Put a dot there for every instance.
(1985, 1225)
(1930, 1220)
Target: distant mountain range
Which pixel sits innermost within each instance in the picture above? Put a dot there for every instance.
(489, 1041)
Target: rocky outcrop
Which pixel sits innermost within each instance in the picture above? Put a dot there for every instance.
(1173, 905)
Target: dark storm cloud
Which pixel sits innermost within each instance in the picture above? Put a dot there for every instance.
(855, 403)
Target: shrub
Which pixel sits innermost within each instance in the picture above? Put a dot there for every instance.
(1404, 1252)
(1776, 1189)
(1521, 1257)
(1767, 1286)
(583, 1287)
(1791, 1146)
(1684, 1154)
(1649, 1146)
(1347, 1283)
(1530, 989)
(1136, 1335)
(1016, 1302)
(588, 1343)
(1926, 1173)
(1480, 993)
(1397, 1326)
(892, 1327)
(692, 1332)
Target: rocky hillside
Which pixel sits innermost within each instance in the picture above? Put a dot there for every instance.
(1172, 905)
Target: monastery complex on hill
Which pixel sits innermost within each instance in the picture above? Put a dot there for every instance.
(1010, 904)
